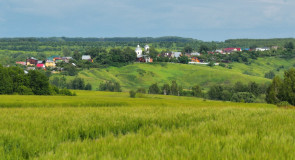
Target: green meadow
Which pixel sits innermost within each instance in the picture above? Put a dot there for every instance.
(103, 125)
(138, 75)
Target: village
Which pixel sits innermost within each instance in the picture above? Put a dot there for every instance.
(142, 56)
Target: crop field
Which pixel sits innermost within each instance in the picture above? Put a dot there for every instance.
(103, 125)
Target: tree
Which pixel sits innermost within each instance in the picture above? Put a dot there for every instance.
(215, 92)
(141, 90)
(188, 49)
(183, 59)
(240, 87)
(203, 48)
(288, 89)
(174, 88)
(270, 75)
(110, 86)
(154, 89)
(66, 52)
(274, 90)
(39, 83)
(132, 93)
(71, 70)
(153, 53)
(130, 55)
(77, 56)
(88, 87)
(197, 91)
(253, 88)
(166, 89)
(6, 82)
(289, 46)
(77, 83)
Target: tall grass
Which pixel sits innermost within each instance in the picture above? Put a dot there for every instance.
(155, 127)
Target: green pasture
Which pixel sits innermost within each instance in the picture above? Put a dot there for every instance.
(263, 65)
(143, 75)
(103, 125)
(138, 75)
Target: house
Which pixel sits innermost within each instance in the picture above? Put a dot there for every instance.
(40, 65)
(229, 50)
(219, 51)
(87, 58)
(274, 47)
(139, 54)
(57, 59)
(66, 59)
(30, 68)
(31, 61)
(195, 59)
(53, 57)
(195, 54)
(188, 55)
(169, 55)
(147, 59)
(176, 54)
(21, 63)
(263, 49)
(50, 64)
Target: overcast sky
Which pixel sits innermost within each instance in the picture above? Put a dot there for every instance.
(208, 20)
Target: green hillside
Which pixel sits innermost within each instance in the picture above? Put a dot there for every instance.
(143, 75)
(263, 65)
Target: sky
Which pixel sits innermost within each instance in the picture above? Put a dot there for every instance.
(207, 20)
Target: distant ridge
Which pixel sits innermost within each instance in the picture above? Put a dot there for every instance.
(93, 39)
(243, 43)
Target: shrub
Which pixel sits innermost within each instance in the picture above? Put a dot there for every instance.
(284, 104)
(66, 92)
(141, 90)
(243, 97)
(110, 86)
(88, 87)
(270, 75)
(222, 65)
(23, 90)
(132, 93)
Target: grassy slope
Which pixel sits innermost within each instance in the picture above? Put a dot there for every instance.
(263, 65)
(101, 125)
(143, 75)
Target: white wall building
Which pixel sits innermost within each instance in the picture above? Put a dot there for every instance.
(263, 49)
(138, 51)
(147, 48)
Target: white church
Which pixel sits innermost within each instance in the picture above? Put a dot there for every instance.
(140, 56)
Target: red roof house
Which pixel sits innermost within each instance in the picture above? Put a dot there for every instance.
(229, 50)
(40, 65)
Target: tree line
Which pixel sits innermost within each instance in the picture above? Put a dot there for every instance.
(13, 80)
(76, 84)
(240, 92)
(282, 90)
